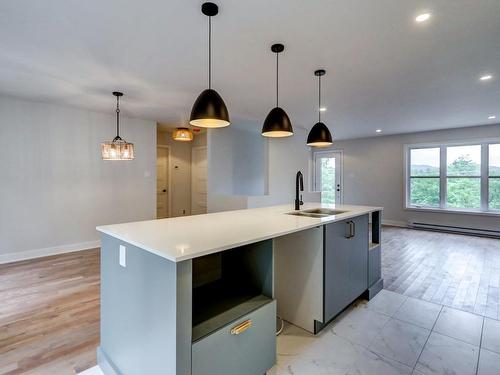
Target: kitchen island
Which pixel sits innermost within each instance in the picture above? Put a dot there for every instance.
(199, 294)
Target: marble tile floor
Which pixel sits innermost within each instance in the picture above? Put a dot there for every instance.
(392, 334)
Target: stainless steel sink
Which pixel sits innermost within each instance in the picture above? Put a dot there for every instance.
(324, 211)
(316, 212)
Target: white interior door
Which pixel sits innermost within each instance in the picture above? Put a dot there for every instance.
(199, 180)
(162, 188)
(328, 176)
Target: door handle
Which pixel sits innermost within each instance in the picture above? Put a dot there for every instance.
(350, 229)
(240, 328)
(164, 190)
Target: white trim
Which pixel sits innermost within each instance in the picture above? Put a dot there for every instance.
(191, 180)
(48, 251)
(484, 144)
(341, 176)
(169, 179)
(453, 143)
(395, 223)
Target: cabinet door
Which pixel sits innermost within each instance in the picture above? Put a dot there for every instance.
(337, 289)
(358, 258)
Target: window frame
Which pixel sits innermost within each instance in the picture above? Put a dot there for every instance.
(487, 191)
(484, 178)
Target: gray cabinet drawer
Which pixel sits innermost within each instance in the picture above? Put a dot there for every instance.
(252, 352)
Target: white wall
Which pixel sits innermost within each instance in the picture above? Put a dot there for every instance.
(286, 157)
(55, 189)
(236, 161)
(266, 167)
(374, 175)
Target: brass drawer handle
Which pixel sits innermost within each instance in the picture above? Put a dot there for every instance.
(240, 328)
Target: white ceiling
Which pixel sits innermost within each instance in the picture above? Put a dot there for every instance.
(383, 70)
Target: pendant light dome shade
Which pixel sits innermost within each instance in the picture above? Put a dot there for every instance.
(277, 124)
(209, 111)
(319, 136)
(182, 135)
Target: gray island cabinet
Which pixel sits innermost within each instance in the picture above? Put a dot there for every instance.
(199, 295)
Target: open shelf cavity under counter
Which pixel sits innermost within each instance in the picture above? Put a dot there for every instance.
(230, 284)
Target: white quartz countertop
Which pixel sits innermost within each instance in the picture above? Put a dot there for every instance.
(188, 237)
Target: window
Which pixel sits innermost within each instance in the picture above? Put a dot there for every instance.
(463, 176)
(494, 176)
(424, 177)
(459, 177)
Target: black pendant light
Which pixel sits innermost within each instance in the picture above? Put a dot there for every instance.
(277, 123)
(209, 110)
(118, 148)
(319, 136)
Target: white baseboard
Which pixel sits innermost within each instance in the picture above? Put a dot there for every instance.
(38, 253)
(395, 223)
(92, 371)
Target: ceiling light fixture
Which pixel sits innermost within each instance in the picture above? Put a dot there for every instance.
(118, 148)
(322, 109)
(277, 123)
(319, 136)
(486, 77)
(492, 117)
(209, 109)
(423, 17)
(378, 131)
(182, 135)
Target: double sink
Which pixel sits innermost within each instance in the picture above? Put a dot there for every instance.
(316, 212)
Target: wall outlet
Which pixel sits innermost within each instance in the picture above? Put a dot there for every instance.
(123, 256)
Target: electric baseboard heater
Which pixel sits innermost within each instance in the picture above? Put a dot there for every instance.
(455, 229)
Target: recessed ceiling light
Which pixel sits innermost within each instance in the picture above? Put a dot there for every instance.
(378, 131)
(486, 77)
(423, 17)
(492, 117)
(322, 109)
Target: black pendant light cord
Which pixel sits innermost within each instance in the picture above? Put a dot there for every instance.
(277, 78)
(117, 138)
(319, 98)
(117, 118)
(209, 52)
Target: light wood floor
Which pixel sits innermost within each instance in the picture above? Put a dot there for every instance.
(454, 270)
(49, 308)
(49, 314)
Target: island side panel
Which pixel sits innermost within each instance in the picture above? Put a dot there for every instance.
(298, 277)
(375, 281)
(145, 312)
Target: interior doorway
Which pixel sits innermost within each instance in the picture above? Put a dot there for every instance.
(162, 182)
(328, 176)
